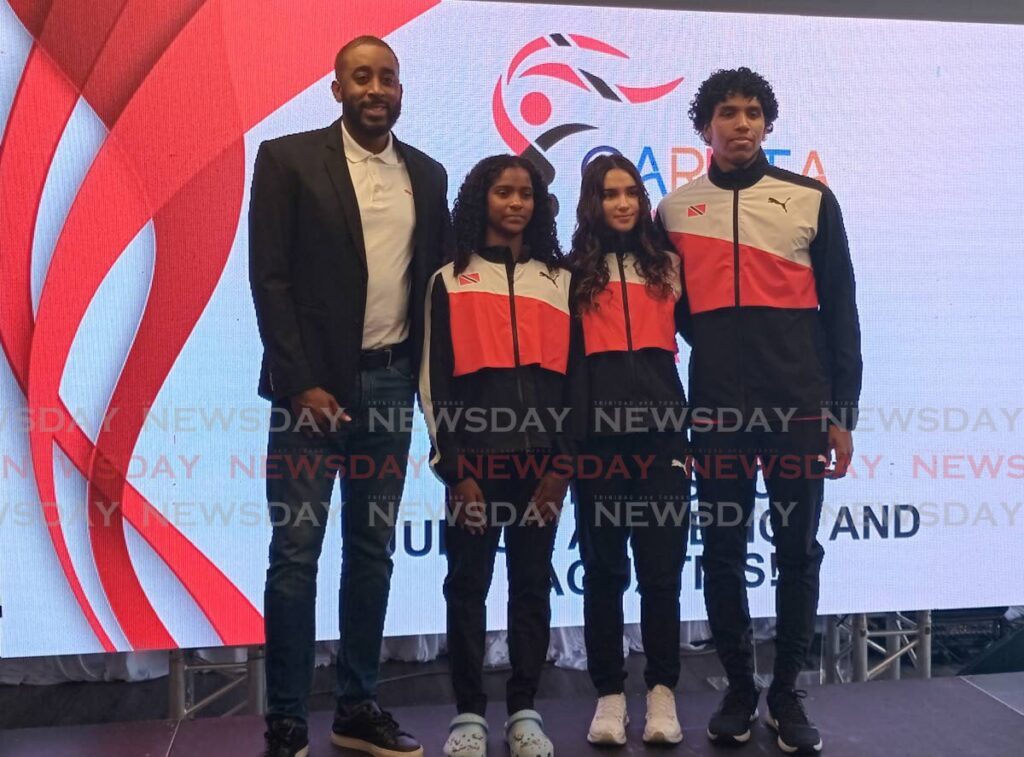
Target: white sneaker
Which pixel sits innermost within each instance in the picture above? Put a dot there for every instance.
(610, 721)
(662, 722)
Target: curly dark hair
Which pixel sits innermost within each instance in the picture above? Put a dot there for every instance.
(737, 81)
(469, 214)
(592, 239)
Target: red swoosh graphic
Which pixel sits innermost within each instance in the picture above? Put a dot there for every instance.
(559, 71)
(177, 108)
(589, 43)
(512, 136)
(525, 52)
(646, 94)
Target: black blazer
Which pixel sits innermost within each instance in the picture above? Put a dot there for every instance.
(307, 259)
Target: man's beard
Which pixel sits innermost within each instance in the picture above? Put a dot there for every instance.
(377, 128)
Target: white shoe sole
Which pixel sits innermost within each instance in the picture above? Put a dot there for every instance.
(742, 738)
(774, 725)
(660, 737)
(359, 745)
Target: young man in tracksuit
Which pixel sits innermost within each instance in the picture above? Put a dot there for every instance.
(775, 378)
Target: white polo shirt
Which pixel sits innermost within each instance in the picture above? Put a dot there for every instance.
(384, 195)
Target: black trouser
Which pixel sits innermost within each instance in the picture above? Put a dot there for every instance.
(636, 491)
(725, 465)
(528, 548)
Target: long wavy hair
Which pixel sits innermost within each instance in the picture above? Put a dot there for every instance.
(469, 215)
(593, 239)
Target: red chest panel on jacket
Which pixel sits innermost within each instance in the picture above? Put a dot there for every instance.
(484, 334)
(651, 320)
(767, 228)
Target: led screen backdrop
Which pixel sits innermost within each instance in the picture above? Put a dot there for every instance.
(129, 132)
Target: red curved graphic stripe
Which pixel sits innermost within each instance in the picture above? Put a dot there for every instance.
(195, 231)
(526, 51)
(589, 43)
(52, 26)
(164, 154)
(78, 63)
(516, 142)
(646, 94)
(41, 108)
(559, 71)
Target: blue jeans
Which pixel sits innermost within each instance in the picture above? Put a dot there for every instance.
(300, 480)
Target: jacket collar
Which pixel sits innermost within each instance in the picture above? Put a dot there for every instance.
(502, 254)
(741, 178)
(618, 243)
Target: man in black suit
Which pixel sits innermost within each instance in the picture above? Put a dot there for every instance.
(345, 226)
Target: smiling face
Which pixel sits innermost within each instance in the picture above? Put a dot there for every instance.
(368, 89)
(735, 131)
(620, 201)
(509, 205)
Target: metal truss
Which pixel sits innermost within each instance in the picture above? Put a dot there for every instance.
(245, 676)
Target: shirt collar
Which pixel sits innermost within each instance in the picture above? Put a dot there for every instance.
(356, 153)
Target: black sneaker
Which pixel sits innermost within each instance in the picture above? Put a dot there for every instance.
(731, 722)
(786, 715)
(367, 728)
(286, 737)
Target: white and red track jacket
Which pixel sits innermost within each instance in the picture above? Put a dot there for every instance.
(771, 313)
(627, 381)
(495, 358)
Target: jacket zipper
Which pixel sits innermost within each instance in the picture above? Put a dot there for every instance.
(510, 272)
(741, 371)
(736, 244)
(629, 327)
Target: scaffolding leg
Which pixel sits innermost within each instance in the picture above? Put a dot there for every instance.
(176, 690)
(257, 690)
(860, 647)
(893, 644)
(924, 643)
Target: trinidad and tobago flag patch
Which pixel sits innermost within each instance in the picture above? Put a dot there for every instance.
(696, 210)
(468, 278)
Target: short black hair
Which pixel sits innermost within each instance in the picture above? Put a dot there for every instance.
(727, 82)
(365, 39)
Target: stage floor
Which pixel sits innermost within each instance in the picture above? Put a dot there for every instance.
(978, 715)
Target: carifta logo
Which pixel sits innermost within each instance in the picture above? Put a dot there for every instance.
(535, 109)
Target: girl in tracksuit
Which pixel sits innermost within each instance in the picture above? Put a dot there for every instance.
(492, 381)
(625, 289)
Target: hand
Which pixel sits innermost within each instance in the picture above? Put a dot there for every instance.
(548, 497)
(840, 452)
(468, 506)
(320, 405)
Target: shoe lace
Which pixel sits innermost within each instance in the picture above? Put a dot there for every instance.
(384, 721)
(609, 707)
(282, 733)
(738, 702)
(661, 703)
(788, 706)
